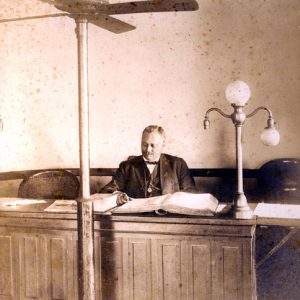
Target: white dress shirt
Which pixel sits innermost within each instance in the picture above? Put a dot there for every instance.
(149, 166)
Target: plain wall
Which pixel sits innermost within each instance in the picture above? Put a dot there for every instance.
(168, 71)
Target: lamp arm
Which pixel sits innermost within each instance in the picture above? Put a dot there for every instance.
(217, 110)
(206, 122)
(258, 109)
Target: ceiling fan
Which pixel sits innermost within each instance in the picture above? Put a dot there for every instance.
(98, 12)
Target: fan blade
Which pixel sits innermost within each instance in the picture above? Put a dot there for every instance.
(149, 6)
(34, 17)
(94, 7)
(110, 23)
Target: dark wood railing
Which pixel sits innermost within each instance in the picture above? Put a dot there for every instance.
(195, 172)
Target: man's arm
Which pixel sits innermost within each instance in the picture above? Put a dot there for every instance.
(117, 183)
(186, 181)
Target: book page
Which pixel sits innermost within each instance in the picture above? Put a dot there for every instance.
(284, 211)
(179, 202)
(101, 203)
(104, 202)
(62, 206)
(142, 205)
(191, 204)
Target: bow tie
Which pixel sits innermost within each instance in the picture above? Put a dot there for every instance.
(151, 162)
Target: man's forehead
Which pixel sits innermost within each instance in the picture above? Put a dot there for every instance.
(152, 136)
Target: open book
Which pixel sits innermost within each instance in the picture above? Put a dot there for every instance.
(178, 203)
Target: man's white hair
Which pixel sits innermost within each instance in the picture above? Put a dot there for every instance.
(155, 128)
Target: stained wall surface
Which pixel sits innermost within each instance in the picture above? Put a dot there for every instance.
(168, 71)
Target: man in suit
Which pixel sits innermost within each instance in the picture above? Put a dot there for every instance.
(151, 174)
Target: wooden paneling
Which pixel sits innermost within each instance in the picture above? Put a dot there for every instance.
(37, 266)
(232, 264)
(167, 259)
(233, 271)
(31, 264)
(168, 267)
(199, 270)
(6, 267)
(30, 275)
(111, 269)
(60, 266)
(139, 268)
(56, 267)
(134, 259)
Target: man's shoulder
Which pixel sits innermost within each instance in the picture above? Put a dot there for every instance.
(131, 160)
(171, 158)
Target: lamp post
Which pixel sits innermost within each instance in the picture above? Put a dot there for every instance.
(238, 94)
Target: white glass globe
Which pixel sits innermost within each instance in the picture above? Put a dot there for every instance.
(270, 136)
(238, 93)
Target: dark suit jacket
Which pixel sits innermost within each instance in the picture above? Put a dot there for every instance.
(130, 177)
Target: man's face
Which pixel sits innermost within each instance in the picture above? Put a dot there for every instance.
(152, 145)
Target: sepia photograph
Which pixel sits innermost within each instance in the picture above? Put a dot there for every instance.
(150, 149)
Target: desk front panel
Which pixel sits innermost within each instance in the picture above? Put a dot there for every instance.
(37, 263)
(173, 259)
(135, 258)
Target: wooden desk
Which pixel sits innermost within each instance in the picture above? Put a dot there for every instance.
(136, 257)
(150, 257)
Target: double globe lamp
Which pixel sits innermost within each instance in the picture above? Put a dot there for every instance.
(238, 94)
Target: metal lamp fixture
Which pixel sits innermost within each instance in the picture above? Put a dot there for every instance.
(238, 94)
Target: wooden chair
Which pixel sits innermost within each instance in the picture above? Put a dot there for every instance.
(52, 184)
(279, 181)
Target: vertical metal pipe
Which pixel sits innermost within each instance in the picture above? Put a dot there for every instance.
(86, 289)
(239, 159)
(241, 207)
(82, 37)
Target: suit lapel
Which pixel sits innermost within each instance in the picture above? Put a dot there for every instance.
(140, 171)
(165, 175)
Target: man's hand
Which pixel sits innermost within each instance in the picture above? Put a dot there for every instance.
(122, 198)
